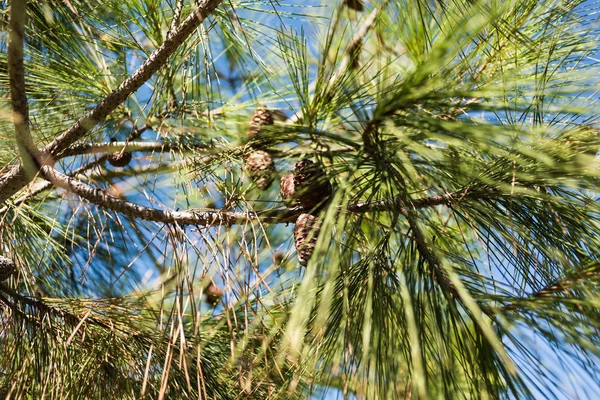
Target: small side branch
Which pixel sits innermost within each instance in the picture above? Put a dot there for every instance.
(432, 201)
(562, 285)
(156, 60)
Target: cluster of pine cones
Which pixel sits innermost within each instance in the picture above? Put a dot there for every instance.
(259, 163)
(306, 187)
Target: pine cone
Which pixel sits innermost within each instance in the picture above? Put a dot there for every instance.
(306, 233)
(356, 5)
(7, 268)
(262, 116)
(213, 294)
(121, 159)
(311, 185)
(286, 186)
(261, 168)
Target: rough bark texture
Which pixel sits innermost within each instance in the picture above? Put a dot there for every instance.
(28, 152)
(103, 199)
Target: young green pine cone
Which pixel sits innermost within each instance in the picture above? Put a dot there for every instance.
(7, 268)
(261, 168)
(306, 233)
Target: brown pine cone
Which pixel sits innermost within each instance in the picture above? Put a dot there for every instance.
(120, 159)
(356, 5)
(7, 268)
(306, 233)
(261, 168)
(311, 185)
(286, 186)
(262, 116)
(213, 294)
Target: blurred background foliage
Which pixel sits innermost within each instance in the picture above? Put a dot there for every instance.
(458, 256)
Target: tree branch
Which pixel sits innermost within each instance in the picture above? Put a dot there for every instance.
(28, 151)
(394, 204)
(207, 217)
(16, 178)
(115, 147)
(156, 60)
(559, 285)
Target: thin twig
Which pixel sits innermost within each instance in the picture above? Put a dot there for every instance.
(176, 17)
(393, 204)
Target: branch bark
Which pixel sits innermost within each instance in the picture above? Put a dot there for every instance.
(28, 151)
(115, 147)
(16, 178)
(100, 197)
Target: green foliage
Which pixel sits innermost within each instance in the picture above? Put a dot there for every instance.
(461, 138)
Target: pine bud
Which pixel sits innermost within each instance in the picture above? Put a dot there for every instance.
(261, 168)
(7, 268)
(306, 233)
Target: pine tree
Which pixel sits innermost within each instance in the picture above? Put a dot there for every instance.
(443, 199)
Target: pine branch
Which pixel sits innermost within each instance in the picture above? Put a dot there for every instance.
(156, 60)
(176, 17)
(16, 179)
(561, 285)
(208, 217)
(115, 147)
(448, 198)
(16, 72)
